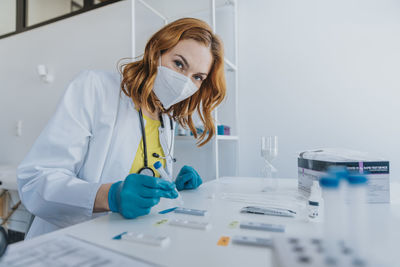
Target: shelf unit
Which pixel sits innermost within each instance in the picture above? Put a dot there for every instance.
(213, 12)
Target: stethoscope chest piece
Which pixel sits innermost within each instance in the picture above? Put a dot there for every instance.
(147, 171)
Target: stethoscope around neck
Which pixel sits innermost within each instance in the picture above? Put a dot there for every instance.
(146, 170)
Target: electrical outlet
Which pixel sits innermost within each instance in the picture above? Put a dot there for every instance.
(19, 128)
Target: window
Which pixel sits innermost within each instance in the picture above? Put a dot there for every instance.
(21, 15)
(100, 1)
(43, 10)
(7, 16)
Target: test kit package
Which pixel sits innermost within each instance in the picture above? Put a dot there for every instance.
(314, 163)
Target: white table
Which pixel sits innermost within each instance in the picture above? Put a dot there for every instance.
(191, 247)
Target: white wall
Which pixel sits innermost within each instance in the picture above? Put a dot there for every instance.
(319, 74)
(93, 40)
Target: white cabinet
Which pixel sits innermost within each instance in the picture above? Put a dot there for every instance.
(219, 157)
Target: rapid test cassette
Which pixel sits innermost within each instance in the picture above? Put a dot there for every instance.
(190, 224)
(262, 226)
(194, 212)
(154, 240)
(252, 241)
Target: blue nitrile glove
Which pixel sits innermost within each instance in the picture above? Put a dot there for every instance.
(188, 178)
(137, 194)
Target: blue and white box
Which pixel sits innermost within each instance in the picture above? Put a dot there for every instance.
(314, 163)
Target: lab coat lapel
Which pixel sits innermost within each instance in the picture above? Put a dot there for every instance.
(126, 139)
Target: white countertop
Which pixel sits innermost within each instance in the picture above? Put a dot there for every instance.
(190, 247)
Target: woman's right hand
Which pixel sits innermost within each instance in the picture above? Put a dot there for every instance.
(137, 194)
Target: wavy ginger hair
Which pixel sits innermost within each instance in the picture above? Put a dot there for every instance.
(139, 76)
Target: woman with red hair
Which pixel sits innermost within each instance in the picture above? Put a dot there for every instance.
(96, 153)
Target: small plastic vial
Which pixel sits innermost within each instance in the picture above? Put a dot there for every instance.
(314, 202)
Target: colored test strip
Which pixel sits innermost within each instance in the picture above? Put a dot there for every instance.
(190, 211)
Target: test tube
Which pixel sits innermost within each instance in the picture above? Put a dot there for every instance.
(330, 187)
(341, 173)
(358, 218)
(163, 174)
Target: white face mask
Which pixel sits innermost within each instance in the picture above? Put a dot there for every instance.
(172, 87)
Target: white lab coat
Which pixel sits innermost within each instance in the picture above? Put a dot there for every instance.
(91, 140)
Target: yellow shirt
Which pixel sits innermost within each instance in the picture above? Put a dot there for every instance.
(153, 146)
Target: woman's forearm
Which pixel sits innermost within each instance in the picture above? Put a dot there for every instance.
(101, 201)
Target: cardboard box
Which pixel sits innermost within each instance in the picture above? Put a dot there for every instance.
(312, 165)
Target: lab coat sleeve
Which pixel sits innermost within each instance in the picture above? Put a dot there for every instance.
(48, 181)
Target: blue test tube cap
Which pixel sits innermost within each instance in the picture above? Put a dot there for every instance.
(357, 179)
(157, 165)
(340, 172)
(329, 182)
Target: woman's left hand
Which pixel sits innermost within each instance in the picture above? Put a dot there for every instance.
(188, 178)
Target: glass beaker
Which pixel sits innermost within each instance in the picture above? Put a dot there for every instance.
(269, 151)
